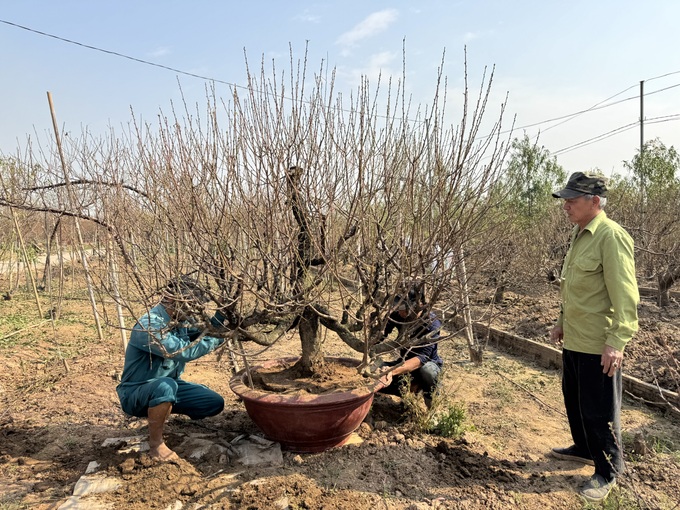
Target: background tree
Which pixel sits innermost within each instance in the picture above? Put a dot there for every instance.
(530, 247)
(654, 169)
(651, 201)
(531, 175)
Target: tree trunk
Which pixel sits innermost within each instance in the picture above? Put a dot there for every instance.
(312, 359)
(666, 281)
(499, 293)
(475, 348)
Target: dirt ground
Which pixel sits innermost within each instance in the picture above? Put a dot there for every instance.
(58, 405)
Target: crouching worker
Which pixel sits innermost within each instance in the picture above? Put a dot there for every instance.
(161, 343)
(421, 361)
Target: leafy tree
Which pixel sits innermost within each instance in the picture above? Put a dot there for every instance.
(655, 168)
(653, 197)
(531, 174)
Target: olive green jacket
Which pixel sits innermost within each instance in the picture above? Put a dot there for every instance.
(598, 287)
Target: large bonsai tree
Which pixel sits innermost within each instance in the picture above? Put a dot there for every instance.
(299, 208)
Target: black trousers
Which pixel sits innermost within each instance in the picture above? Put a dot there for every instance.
(593, 403)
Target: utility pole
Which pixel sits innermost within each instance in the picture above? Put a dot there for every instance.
(643, 176)
(642, 116)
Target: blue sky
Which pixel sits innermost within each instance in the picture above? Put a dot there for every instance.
(552, 58)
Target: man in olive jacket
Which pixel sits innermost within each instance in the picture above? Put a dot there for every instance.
(598, 317)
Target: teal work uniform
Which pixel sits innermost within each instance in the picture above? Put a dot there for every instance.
(154, 362)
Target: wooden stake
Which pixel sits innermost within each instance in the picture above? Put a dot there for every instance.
(27, 262)
(60, 251)
(72, 200)
(116, 293)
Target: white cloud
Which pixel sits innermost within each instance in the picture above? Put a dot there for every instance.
(159, 52)
(378, 65)
(371, 25)
(469, 36)
(307, 17)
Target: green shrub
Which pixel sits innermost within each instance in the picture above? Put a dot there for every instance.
(444, 417)
(452, 422)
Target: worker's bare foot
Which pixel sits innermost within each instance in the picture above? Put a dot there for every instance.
(163, 454)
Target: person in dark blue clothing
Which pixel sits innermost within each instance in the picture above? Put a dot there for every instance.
(161, 343)
(420, 361)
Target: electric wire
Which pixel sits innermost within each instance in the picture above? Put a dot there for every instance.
(597, 138)
(564, 118)
(613, 132)
(597, 106)
(122, 55)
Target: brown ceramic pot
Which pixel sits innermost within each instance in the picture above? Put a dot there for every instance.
(304, 423)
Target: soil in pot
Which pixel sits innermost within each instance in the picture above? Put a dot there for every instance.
(337, 375)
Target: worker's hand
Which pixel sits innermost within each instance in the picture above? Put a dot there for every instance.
(385, 379)
(556, 334)
(611, 361)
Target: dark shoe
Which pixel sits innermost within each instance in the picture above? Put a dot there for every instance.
(597, 488)
(572, 453)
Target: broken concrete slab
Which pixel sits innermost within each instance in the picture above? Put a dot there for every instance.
(77, 503)
(96, 484)
(255, 450)
(200, 447)
(130, 443)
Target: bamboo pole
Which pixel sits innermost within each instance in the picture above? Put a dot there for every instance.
(10, 267)
(60, 248)
(16, 332)
(116, 293)
(47, 282)
(72, 257)
(81, 246)
(18, 276)
(26, 261)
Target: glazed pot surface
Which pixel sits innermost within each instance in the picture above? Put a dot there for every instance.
(307, 422)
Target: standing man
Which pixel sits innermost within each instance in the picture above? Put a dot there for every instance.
(420, 361)
(598, 317)
(161, 343)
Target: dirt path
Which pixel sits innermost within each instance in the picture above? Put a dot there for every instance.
(53, 423)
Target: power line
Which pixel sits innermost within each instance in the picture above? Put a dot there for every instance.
(595, 107)
(613, 132)
(564, 118)
(598, 106)
(661, 90)
(592, 108)
(122, 55)
(596, 138)
(665, 118)
(663, 75)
